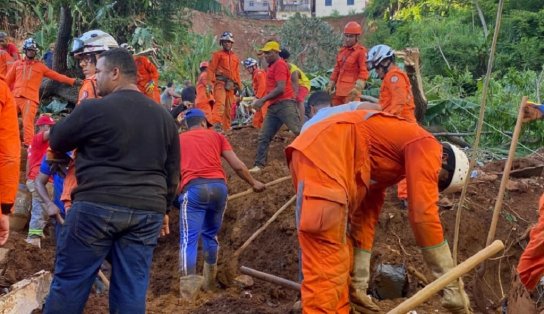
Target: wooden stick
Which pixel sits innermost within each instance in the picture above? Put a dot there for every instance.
(454, 273)
(261, 229)
(476, 145)
(249, 191)
(270, 278)
(103, 277)
(506, 172)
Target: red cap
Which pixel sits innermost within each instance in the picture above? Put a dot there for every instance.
(204, 64)
(45, 120)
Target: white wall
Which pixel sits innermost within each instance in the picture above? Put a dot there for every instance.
(338, 5)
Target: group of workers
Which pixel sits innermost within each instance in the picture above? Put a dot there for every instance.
(113, 198)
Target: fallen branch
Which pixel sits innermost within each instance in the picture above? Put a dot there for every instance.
(270, 278)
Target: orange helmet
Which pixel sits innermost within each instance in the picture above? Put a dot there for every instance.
(203, 64)
(353, 28)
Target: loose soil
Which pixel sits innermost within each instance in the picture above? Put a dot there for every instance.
(275, 251)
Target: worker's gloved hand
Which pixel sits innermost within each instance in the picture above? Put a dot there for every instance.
(150, 87)
(361, 303)
(209, 89)
(532, 111)
(330, 87)
(354, 95)
(78, 82)
(257, 103)
(52, 209)
(258, 186)
(360, 85)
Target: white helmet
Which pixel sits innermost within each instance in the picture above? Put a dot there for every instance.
(377, 54)
(455, 161)
(94, 41)
(249, 62)
(226, 36)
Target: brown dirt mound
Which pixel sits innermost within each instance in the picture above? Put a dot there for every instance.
(276, 250)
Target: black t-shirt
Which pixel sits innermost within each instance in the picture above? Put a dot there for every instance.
(127, 151)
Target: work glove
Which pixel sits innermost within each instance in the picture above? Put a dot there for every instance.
(209, 89)
(257, 103)
(532, 111)
(330, 87)
(361, 303)
(150, 87)
(78, 82)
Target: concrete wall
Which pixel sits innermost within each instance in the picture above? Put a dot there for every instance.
(286, 15)
(257, 5)
(340, 6)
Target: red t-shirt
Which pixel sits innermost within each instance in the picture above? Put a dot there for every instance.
(201, 155)
(279, 71)
(36, 151)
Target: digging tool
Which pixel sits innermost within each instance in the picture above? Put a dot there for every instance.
(270, 278)
(101, 275)
(249, 191)
(232, 265)
(456, 272)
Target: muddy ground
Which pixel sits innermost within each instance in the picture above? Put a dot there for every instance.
(275, 251)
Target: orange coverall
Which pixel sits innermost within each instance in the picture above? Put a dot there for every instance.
(5, 60)
(350, 66)
(204, 100)
(331, 171)
(87, 90)
(10, 146)
(223, 65)
(259, 88)
(147, 72)
(531, 263)
(26, 77)
(396, 98)
(413, 153)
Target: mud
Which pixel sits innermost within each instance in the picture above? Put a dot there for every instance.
(276, 250)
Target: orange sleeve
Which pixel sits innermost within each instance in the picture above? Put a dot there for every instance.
(10, 78)
(4, 62)
(363, 71)
(10, 146)
(336, 71)
(236, 74)
(47, 72)
(531, 262)
(212, 67)
(260, 90)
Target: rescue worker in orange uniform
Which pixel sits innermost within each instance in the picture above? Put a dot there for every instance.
(531, 263)
(5, 59)
(26, 77)
(204, 97)
(350, 70)
(10, 157)
(258, 77)
(395, 93)
(86, 49)
(375, 141)
(224, 80)
(148, 75)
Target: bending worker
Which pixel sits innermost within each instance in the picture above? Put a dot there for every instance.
(258, 79)
(357, 144)
(350, 70)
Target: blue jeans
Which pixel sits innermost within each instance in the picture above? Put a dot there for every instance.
(91, 232)
(201, 213)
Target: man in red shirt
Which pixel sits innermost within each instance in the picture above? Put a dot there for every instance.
(203, 198)
(282, 108)
(36, 151)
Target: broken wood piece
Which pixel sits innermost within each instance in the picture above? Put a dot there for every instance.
(249, 191)
(456, 272)
(270, 278)
(26, 295)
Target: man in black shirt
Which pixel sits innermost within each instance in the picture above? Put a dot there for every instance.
(127, 168)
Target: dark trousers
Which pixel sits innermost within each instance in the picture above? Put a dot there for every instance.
(282, 112)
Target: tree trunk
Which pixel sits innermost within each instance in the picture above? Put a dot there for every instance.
(63, 39)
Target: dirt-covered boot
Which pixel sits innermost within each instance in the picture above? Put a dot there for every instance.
(439, 260)
(210, 272)
(189, 286)
(361, 302)
(35, 241)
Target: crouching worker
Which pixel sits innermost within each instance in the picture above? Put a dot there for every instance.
(203, 199)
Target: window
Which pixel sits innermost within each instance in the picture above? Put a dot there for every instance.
(351, 2)
(265, 3)
(328, 3)
(251, 3)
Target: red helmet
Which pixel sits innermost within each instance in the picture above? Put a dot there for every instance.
(45, 120)
(204, 64)
(353, 28)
